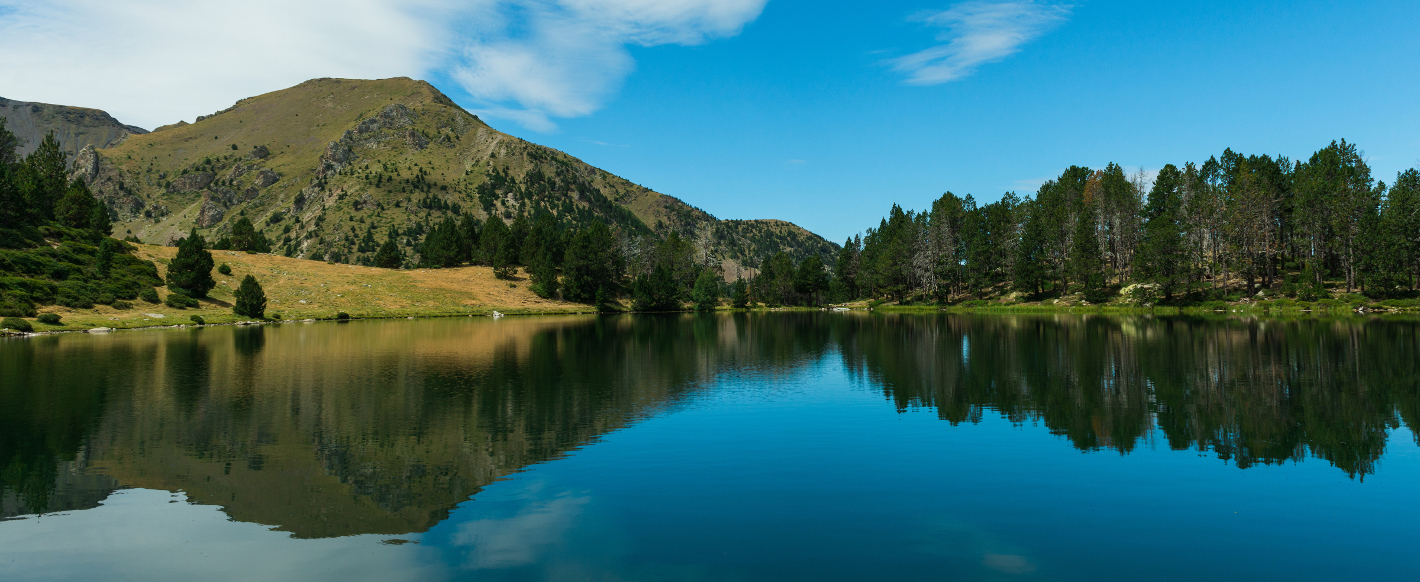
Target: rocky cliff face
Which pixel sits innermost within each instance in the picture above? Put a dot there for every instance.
(328, 169)
(75, 127)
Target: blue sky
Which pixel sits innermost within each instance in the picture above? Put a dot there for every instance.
(816, 112)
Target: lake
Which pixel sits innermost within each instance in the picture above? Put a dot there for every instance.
(764, 446)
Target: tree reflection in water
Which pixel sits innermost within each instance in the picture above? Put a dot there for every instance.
(383, 427)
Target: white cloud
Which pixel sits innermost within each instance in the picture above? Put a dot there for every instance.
(976, 33)
(521, 539)
(133, 535)
(534, 60)
(152, 62)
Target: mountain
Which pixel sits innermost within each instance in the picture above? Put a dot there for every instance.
(330, 166)
(75, 127)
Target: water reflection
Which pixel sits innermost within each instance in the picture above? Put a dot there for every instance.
(383, 427)
(1252, 391)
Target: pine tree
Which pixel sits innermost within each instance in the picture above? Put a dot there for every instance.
(707, 291)
(469, 230)
(1162, 254)
(245, 237)
(1086, 264)
(190, 272)
(76, 206)
(739, 296)
(442, 248)
(45, 178)
(590, 264)
(388, 257)
(99, 221)
(103, 261)
(9, 144)
(810, 281)
(542, 274)
(492, 240)
(250, 299)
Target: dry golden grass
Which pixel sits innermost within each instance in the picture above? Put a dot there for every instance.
(301, 289)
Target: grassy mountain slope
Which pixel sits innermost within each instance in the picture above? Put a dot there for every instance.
(328, 168)
(75, 127)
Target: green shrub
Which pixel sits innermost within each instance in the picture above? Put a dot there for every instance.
(180, 301)
(974, 303)
(121, 304)
(273, 315)
(875, 303)
(16, 324)
(197, 319)
(16, 306)
(250, 299)
(225, 269)
(342, 316)
(149, 294)
(48, 318)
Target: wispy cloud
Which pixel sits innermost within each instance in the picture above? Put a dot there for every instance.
(976, 33)
(795, 164)
(527, 61)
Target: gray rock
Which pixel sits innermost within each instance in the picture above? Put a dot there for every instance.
(192, 182)
(210, 214)
(416, 140)
(258, 153)
(266, 178)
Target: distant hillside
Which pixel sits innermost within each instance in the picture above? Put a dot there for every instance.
(330, 166)
(75, 127)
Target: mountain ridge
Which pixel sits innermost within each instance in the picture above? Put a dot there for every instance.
(316, 164)
(74, 127)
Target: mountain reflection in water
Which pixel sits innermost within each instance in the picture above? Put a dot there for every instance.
(383, 427)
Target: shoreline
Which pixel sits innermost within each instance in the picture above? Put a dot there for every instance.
(1234, 312)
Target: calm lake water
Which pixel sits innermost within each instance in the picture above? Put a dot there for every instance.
(806, 446)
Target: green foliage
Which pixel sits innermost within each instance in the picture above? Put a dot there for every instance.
(250, 299)
(48, 318)
(811, 281)
(388, 257)
(739, 294)
(543, 275)
(149, 294)
(245, 237)
(197, 319)
(706, 293)
(103, 261)
(16, 324)
(443, 247)
(591, 267)
(655, 291)
(122, 305)
(342, 316)
(190, 272)
(180, 301)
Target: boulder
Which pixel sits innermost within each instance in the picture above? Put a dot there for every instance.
(416, 140)
(238, 171)
(258, 153)
(192, 182)
(210, 214)
(266, 178)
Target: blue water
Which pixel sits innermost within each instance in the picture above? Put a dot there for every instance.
(800, 470)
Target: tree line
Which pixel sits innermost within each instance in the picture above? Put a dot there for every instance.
(1232, 226)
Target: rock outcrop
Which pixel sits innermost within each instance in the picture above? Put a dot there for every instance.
(75, 127)
(192, 182)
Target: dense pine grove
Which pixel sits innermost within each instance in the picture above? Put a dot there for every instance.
(54, 243)
(1230, 228)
